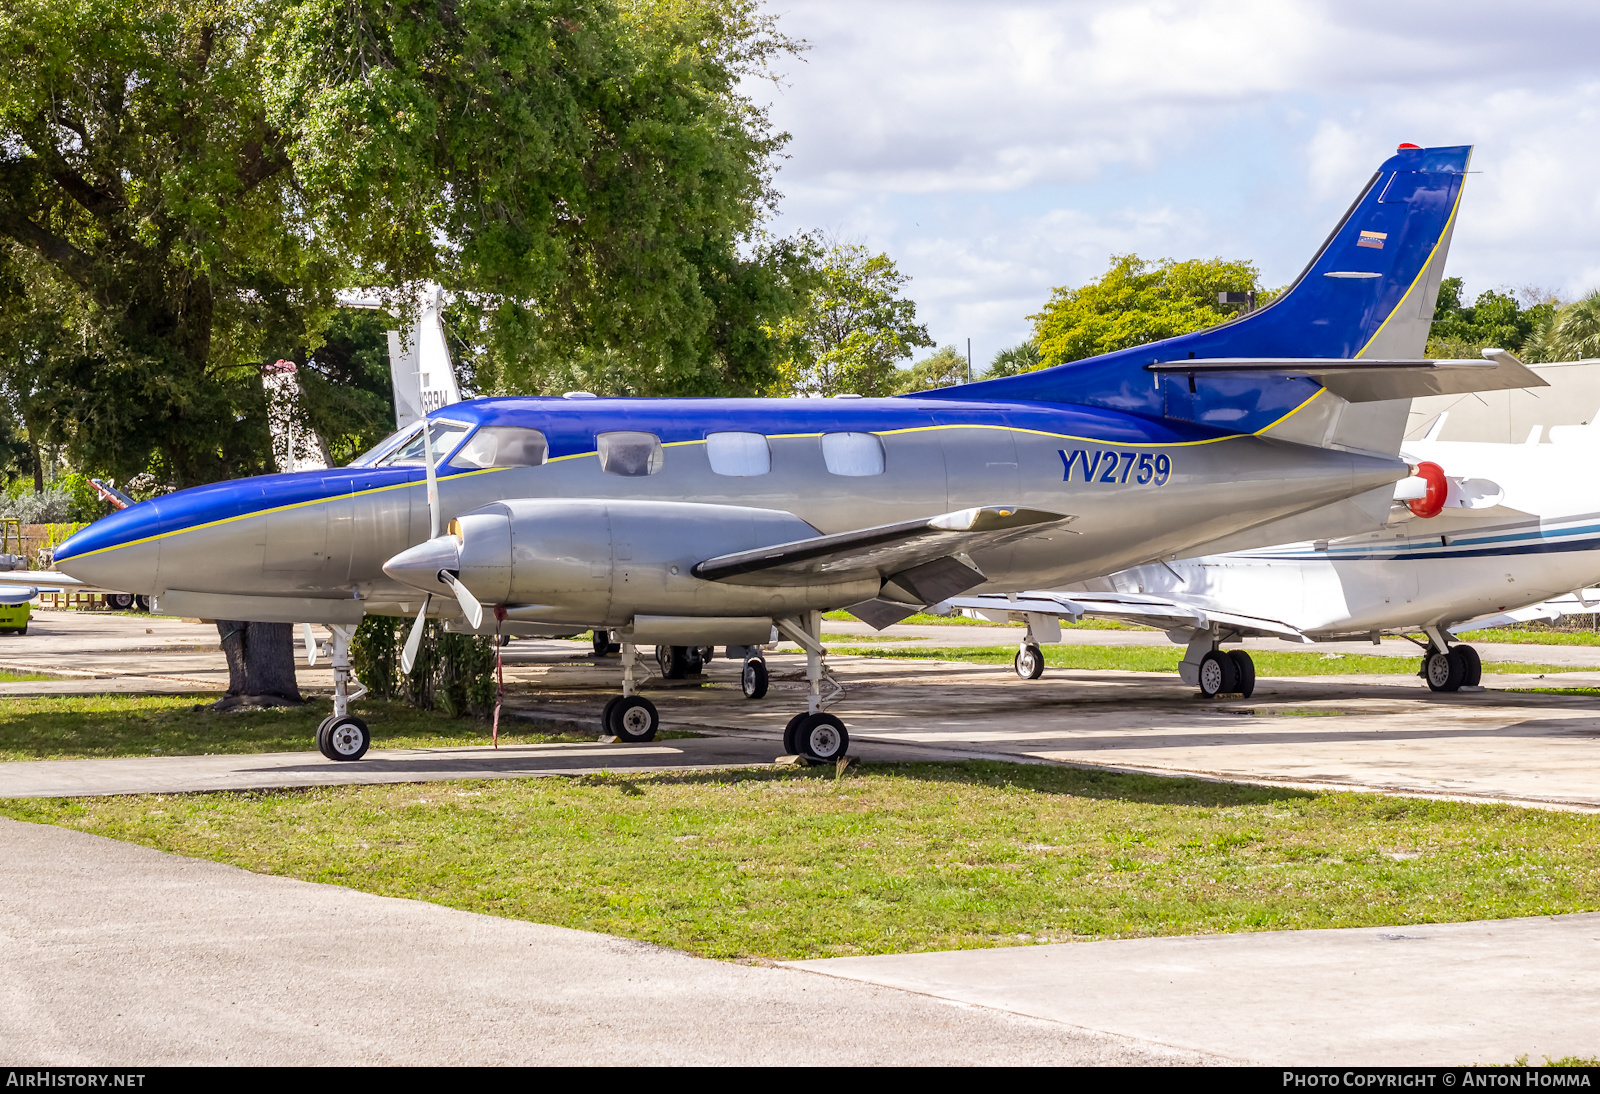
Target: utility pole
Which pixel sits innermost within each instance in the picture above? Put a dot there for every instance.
(969, 360)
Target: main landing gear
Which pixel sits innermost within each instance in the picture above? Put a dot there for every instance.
(1217, 671)
(1449, 668)
(343, 736)
(814, 733)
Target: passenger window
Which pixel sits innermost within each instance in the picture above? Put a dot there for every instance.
(738, 453)
(852, 453)
(629, 453)
(503, 446)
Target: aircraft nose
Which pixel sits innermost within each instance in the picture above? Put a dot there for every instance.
(418, 567)
(121, 551)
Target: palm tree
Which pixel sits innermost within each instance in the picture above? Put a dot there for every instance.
(1576, 332)
(1022, 357)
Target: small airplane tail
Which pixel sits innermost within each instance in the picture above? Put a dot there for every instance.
(1368, 293)
(420, 369)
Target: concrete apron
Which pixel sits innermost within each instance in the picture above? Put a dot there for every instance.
(1422, 994)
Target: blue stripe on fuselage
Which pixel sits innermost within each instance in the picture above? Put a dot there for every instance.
(570, 426)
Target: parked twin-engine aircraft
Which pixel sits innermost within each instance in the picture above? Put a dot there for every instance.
(699, 521)
(1483, 531)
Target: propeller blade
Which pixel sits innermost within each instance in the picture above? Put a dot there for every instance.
(408, 655)
(469, 603)
(311, 643)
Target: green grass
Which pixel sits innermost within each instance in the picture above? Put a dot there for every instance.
(1166, 658)
(1534, 638)
(76, 727)
(888, 858)
(24, 677)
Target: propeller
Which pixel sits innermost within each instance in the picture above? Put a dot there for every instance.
(470, 607)
(311, 643)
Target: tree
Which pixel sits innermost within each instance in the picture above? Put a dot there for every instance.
(944, 367)
(1495, 319)
(852, 329)
(1013, 360)
(183, 184)
(1135, 302)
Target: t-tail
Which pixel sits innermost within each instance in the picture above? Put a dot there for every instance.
(1355, 322)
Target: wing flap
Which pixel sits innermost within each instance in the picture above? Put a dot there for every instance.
(1137, 608)
(887, 550)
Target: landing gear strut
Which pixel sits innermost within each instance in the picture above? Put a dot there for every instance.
(343, 736)
(629, 716)
(814, 733)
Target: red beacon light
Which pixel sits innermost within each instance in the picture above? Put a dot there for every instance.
(1406, 145)
(1430, 504)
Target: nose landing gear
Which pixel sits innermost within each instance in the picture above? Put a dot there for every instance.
(814, 734)
(342, 736)
(630, 717)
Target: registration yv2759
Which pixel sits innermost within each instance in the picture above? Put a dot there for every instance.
(1117, 467)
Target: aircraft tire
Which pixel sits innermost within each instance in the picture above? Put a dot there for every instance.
(1029, 663)
(753, 679)
(673, 661)
(605, 715)
(121, 602)
(1472, 666)
(634, 719)
(790, 747)
(1246, 668)
(1444, 671)
(601, 642)
(141, 603)
(344, 739)
(1218, 676)
(823, 738)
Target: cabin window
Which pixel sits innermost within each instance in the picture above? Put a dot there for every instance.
(852, 453)
(627, 453)
(738, 453)
(444, 436)
(503, 446)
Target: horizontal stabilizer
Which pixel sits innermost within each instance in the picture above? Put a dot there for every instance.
(885, 550)
(1365, 380)
(47, 581)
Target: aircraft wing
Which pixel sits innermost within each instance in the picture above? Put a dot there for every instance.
(1579, 602)
(1365, 381)
(887, 550)
(1137, 608)
(46, 581)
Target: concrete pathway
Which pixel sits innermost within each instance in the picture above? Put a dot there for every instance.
(270, 770)
(112, 954)
(1443, 993)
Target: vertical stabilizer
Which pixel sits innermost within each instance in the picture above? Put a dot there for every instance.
(419, 362)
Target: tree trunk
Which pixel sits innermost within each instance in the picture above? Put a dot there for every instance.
(260, 664)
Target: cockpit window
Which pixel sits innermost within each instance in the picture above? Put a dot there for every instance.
(503, 446)
(385, 446)
(444, 438)
(628, 453)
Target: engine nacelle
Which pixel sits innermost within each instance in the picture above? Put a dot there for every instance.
(598, 562)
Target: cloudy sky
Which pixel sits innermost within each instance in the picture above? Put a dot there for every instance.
(996, 150)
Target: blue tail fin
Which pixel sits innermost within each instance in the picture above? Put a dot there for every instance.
(1369, 292)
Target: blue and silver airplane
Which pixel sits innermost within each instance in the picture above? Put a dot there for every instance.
(693, 522)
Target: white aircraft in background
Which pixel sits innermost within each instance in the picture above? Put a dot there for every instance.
(419, 368)
(1483, 534)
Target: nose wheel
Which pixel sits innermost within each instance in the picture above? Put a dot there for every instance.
(343, 738)
(753, 679)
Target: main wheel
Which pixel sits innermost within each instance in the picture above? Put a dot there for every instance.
(1029, 662)
(1471, 666)
(674, 661)
(601, 643)
(605, 715)
(694, 660)
(822, 737)
(344, 738)
(634, 719)
(753, 680)
(1246, 670)
(504, 640)
(119, 601)
(141, 603)
(790, 746)
(1444, 671)
(1218, 676)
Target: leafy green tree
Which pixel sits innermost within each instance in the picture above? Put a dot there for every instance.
(1495, 319)
(1013, 360)
(853, 328)
(1573, 333)
(1137, 301)
(944, 367)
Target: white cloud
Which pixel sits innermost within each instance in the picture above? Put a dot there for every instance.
(998, 150)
